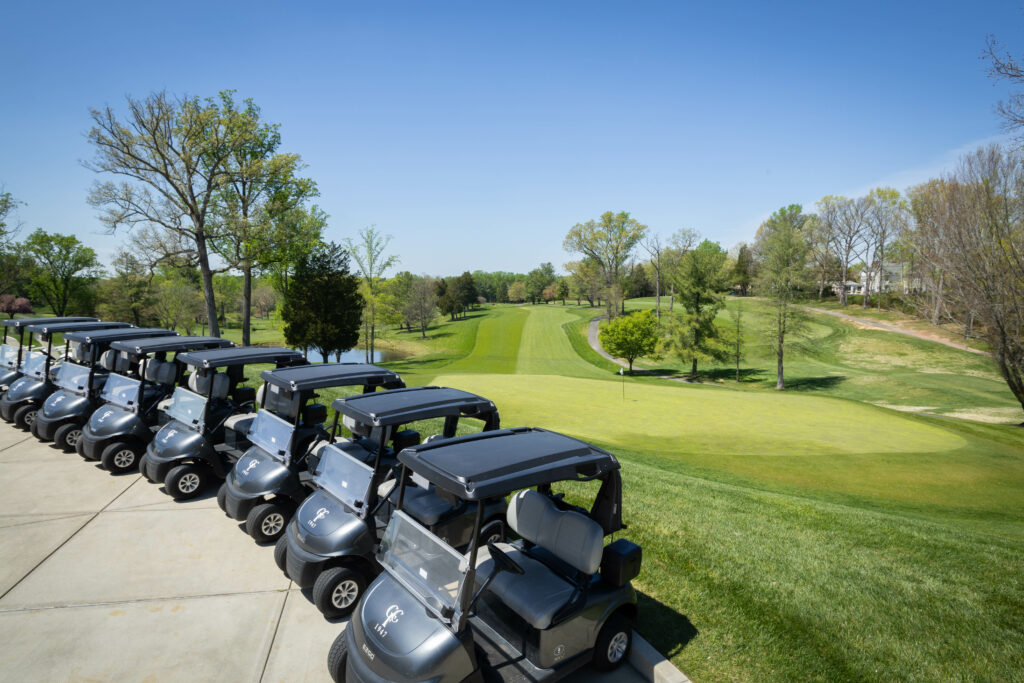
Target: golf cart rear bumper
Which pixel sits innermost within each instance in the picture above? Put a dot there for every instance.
(302, 566)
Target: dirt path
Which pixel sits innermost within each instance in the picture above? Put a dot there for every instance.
(898, 330)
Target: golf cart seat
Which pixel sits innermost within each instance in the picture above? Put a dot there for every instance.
(571, 538)
(220, 385)
(425, 505)
(240, 423)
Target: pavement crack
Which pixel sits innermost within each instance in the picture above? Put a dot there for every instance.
(133, 601)
(277, 627)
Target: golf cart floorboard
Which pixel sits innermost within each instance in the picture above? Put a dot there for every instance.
(505, 664)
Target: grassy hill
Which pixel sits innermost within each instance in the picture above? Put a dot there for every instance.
(803, 535)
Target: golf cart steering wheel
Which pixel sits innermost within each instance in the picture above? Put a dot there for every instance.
(503, 561)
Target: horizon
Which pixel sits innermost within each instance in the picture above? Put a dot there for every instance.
(477, 136)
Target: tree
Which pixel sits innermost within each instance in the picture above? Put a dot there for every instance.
(64, 266)
(608, 242)
(264, 299)
(652, 244)
(228, 290)
(585, 280)
(262, 186)
(700, 280)
(886, 218)
(635, 284)
(562, 289)
(323, 306)
(680, 244)
(736, 315)
(14, 305)
(1002, 65)
(178, 303)
(783, 250)
(537, 281)
(300, 232)
(820, 241)
(128, 295)
(630, 336)
(175, 155)
(517, 291)
(846, 221)
(421, 309)
(394, 297)
(743, 269)
(14, 266)
(369, 256)
(467, 291)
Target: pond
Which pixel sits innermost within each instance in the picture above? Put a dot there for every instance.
(354, 356)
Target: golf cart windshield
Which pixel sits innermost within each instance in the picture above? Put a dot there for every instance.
(121, 391)
(272, 434)
(34, 364)
(73, 377)
(427, 566)
(343, 477)
(8, 356)
(188, 408)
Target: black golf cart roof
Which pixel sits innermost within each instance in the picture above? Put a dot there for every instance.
(218, 358)
(157, 344)
(399, 406)
(90, 336)
(320, 375)
(495, 463)
(23, 322)
(59, 327)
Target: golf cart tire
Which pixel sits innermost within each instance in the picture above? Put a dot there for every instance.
(266, 522)
(281, 553)
(337, 659)
(34, 430)
(80, 448)
(120, 457)
(222, 497)
(329, 582)
(60, 437)
(21, 416)
(613, 643)
(185, 482)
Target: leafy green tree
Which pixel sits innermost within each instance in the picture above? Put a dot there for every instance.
(699, 281)
(175, 156)
(323, 305)
(783, 248)
(537, 280)
(562, 289)
(300, 232)
(177, 302)
(64, 267)
(585, 281)
(262, 186)
(517, 291)
(467, 291)
(395, 293)
(128, 295)
(608, 243)
(743, 269)
(369, 255)
(630, 336)
(14, 266)
(228, 290)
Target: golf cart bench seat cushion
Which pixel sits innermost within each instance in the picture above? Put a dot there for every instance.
(536, 595)
(220, 385)
(356, 450)
(240, 423)
(424, 505)
(573, 538)
(357, 428)
(109, 359)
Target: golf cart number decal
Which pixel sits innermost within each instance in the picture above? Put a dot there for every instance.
(369, 652)
(169, 435)
(249, 465)
(320, 514)
(391, 617)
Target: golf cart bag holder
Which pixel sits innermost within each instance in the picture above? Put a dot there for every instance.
(620, 562)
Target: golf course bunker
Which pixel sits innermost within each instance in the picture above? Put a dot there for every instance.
(698, 419)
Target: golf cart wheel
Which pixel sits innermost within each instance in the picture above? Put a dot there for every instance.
(222, 497)
(281, 553)
(25, 416)
(143, 469)
(185, 482)
(80, 447)
(337, 590)
(120, 457)
(613, 643)
(266, 522)
(493, 532)
(33, 428)
(67, 437)
(337, 659)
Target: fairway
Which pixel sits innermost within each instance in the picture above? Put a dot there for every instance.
(797, 535)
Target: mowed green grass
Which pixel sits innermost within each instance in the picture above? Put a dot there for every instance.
(786, 536)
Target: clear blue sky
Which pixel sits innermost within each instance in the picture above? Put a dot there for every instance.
(478, 133)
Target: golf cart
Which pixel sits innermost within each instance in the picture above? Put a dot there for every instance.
(263, 488)
(330, 545)
(145, 373)
(10, 354)
(536, 609)
(80, 380)
(25, 396)
(192, 446)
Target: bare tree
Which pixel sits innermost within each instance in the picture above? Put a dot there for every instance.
(847, 223)
(654, 247)
(421, 308)
(820, 242)
(679, 245)
(173, 154)
(1002, 65)
(886, 218)
(369, 256)
(927, 237)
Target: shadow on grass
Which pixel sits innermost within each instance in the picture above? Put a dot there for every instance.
(815, 383)
(666, 629)
(746, 374)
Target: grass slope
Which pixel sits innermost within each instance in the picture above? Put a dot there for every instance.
(794, 536)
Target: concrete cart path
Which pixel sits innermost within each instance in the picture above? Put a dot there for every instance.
(898, 330)
(107, 578)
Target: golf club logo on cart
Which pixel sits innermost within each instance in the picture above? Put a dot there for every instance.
(320, 514)
(390, 617)
(249, 467)
(105, 414)
(169, 435)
